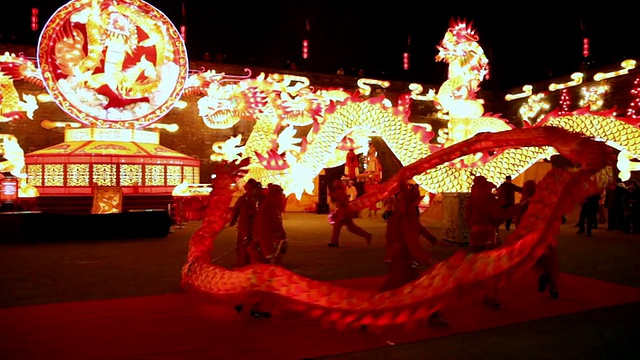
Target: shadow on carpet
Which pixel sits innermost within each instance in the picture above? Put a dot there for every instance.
(183, 326)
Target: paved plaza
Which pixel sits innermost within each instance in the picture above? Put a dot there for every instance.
(43, 273)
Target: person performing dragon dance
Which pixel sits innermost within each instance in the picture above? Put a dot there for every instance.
(244, 212)
(403, 251)
(343, 216)
(268, 242)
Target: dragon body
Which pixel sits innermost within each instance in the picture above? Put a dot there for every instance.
(460, 278)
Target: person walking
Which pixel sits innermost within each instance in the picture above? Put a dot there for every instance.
(588, 214)
(484, 214)
(507, 197)
(614, 202)
(243, 214)
(343, 216)
(547, 265)
(403, 252)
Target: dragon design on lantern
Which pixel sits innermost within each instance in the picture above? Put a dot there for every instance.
(113, 63)
(328, 119)
(12, 68)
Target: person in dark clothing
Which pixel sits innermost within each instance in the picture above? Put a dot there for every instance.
(588, 214)
(614, 202)
(507, 197)
(631, 208)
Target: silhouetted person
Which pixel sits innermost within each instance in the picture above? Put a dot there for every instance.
(507, 197)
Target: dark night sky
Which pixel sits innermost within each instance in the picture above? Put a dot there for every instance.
(524, 42)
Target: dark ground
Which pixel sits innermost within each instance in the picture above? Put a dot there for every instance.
(42, 273)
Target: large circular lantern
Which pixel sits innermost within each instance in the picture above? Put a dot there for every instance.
(113, 64)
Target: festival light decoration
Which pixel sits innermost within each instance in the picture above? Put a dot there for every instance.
(280, 104)
(593, 96)
(526, 91)
(335, 116)
(564, 103)
(576, 79)
(11, 105)
(127, 158)
(626, 166)
(533, 110)
(585, 47)
(305, 49)
(365, 88)
(634, 106)
(626, 65)
(35, 19)
(14, 156)
(417, 89)
(116, 67)
(110, 64)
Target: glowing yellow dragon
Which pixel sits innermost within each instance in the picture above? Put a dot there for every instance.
(276, 106)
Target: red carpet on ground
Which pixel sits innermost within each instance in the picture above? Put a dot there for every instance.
(181, 326)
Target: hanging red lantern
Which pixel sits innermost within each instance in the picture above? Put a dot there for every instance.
(585, 47)
(35, 19)
(305, 48)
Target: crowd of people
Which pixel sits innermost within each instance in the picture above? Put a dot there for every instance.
(616, 207)
(261, 237)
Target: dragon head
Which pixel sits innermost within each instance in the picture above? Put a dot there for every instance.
(461, 50)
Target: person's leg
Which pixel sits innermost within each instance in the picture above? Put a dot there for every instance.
(590, 223)
(357, 230)
(399, 274)
(266, 247)
(581, 220)
(611, 219)
(553, 266)
(335, 233)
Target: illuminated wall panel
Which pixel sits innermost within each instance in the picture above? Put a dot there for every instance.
(174, 175)
(130, 175)
(53, 175)
(78, 175)
(188, 174)
(154, 175)
(34, 173)
(104, 174)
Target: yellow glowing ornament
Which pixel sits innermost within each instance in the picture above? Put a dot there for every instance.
(576, 79)
(50, 124)
(287, 140)
(10, 101)
(229, 149)
(365, 88)
(417, 89)
(626, 166)
(534, 108)
(14, 162)
(526, 91)
(593, 96)
(626, 65)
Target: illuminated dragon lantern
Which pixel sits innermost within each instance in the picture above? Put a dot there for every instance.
(283, 106)
(468, 66)
(12, 68)
(460, 279)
